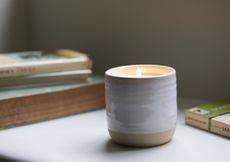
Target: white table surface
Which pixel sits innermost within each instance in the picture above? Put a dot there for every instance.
(84, 138)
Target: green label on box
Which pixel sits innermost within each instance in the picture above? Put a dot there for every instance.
(213, 109)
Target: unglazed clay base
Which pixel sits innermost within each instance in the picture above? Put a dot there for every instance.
(145, 140)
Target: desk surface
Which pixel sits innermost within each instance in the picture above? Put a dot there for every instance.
(84, 137)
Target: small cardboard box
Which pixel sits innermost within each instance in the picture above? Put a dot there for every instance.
(213, 117)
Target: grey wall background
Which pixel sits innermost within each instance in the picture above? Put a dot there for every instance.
(13, 25)
(192, 36)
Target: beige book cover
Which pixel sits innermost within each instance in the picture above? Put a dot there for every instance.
(221, 125)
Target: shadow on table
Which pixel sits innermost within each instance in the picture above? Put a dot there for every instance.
(112, 147)
(5, 159)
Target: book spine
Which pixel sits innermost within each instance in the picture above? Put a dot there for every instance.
(45, 67)
(196, 121)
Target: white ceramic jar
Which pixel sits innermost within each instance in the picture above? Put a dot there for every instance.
(141, 104)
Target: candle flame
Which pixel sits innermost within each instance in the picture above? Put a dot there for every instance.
(138, 72)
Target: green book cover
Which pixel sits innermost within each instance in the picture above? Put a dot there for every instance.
(22, 92)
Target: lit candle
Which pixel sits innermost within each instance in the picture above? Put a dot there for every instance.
(138, 72)
(143, 71)
(141, 104)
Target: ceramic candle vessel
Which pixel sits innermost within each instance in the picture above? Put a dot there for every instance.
(141, 104)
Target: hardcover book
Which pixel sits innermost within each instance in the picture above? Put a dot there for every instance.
(75, 76)
(36, 62)
(28, 105)
(213, 117)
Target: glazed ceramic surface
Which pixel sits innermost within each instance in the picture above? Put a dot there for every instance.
(141, 105)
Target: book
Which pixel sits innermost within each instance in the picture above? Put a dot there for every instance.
(75, 76)
(29, 105)
(36, 62)
(213, 117)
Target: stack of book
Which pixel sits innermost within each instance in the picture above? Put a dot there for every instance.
(39, 85)
(41, 67)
